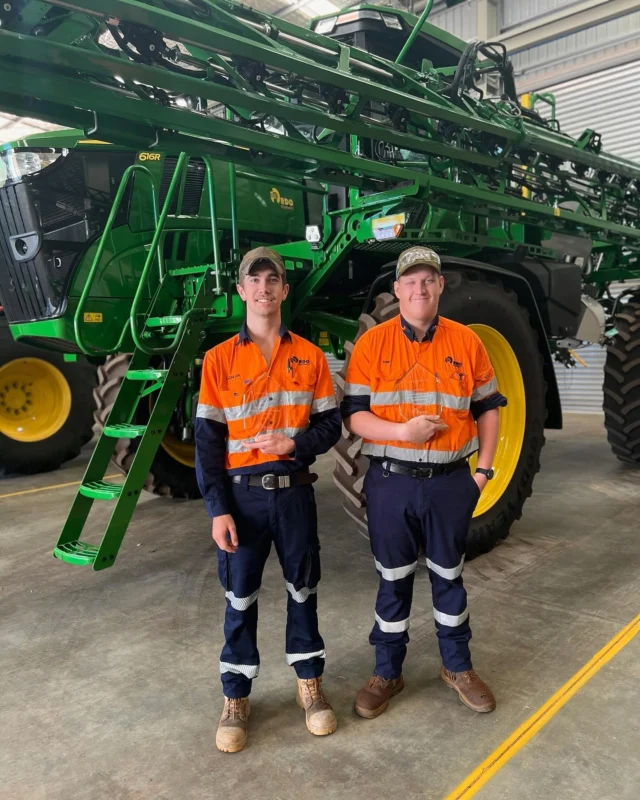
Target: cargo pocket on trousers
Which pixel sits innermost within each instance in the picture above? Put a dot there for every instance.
(224, 570)
(312, 574)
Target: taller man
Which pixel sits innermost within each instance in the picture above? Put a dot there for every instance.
(422, 393)
(266, 410)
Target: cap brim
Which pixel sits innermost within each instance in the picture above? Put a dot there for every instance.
(431, 264)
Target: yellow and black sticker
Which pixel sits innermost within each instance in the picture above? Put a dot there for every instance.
(93, 316)
(149, 157)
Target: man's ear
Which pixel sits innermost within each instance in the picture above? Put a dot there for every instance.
(285, 291)
(241, 292)
(395, 288)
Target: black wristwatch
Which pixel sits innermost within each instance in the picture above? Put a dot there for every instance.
(488, 472)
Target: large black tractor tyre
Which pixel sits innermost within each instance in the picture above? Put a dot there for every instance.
(46, 406)
(169, 475)
(489, 307)
(622, 385)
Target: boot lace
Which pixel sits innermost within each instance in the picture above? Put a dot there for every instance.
(376, 682)
(313, 688)
(236, 709)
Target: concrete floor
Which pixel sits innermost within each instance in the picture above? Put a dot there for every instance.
(110, 686)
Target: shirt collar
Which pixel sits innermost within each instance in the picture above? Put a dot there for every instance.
(410, 333)
(243, 336)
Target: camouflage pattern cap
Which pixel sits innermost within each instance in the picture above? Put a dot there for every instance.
(416, 256)
(260, 254)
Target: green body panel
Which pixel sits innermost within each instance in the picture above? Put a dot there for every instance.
(275, 128)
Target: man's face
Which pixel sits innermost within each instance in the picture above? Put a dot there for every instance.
(418, 290)
(263, 290)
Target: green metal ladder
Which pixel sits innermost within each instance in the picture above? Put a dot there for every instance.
(141, 380)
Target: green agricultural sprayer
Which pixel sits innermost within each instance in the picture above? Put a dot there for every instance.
(203, 127)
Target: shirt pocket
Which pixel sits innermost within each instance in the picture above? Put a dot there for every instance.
(456, 390)
(299, 390)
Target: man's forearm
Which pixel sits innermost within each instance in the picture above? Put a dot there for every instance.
(488, 432)
(366, 424)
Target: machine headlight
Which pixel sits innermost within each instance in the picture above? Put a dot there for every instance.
(17, 164)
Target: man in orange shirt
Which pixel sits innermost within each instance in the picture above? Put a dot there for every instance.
(422, 394)
(266, 410)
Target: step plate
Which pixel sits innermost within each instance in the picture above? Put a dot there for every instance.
(124, 431)
(76, 553)
(146, 374)
(101, 490)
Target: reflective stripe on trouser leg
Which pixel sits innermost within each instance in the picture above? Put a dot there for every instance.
(240, 574)
(393, 533)
(296, 541)
(449, 506)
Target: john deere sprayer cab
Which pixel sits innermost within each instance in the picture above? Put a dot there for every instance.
(374, 131)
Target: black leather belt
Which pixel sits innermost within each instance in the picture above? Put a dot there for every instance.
(423, 472)
(270, 481)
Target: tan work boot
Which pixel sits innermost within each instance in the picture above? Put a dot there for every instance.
(374, 696)
(231, 736)
(320, 717)
(473, 691)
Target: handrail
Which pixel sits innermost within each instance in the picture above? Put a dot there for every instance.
(124, 183)
(414, 33)
(137, 334)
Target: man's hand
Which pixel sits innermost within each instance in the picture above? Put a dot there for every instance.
(272, 444)
(420, 429)
(224, 533)
(481, 480)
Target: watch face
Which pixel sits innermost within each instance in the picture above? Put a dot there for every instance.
(490, 473)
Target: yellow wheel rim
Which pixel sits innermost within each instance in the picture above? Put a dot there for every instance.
(35, 400)
(180, 451)
(512, 417)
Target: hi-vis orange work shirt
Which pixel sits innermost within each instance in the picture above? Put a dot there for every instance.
(397, 378)
(241, 396)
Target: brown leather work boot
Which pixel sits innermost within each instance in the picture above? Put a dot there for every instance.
(473, 691)
(320, 717)
(231, 736)
(374, 696)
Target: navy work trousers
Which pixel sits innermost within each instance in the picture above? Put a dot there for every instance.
(288, 518)
(405, 513)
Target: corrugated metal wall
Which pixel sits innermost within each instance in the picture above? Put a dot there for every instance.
(461, 20)
(579, 51)
(515, 12)
(606, 101)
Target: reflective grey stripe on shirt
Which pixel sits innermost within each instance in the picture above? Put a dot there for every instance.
(356, 389)
(236, 446)
(424, 455)
(420, 399)
(205, 411)
(491, 387)
(266, 403)
(323, 404)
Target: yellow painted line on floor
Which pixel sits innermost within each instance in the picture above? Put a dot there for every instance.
(55, 486)
(501, 755)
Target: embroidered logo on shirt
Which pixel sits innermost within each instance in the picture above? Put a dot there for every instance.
(449, 360)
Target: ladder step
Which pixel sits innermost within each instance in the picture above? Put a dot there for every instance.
(147, 374)
(76, 553)
(124, 430)
(101, 490)
(162, 322)
(189, 270)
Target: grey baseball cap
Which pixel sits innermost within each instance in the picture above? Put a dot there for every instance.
(260, 254)
(416, 256)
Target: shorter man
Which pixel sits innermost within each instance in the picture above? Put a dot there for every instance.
(266, 410)
(422, 393)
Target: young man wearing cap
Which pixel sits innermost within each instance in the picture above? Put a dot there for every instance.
(422, 394)
(266, 410)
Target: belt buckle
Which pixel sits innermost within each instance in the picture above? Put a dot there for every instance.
(270, 482)
(427, 473)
